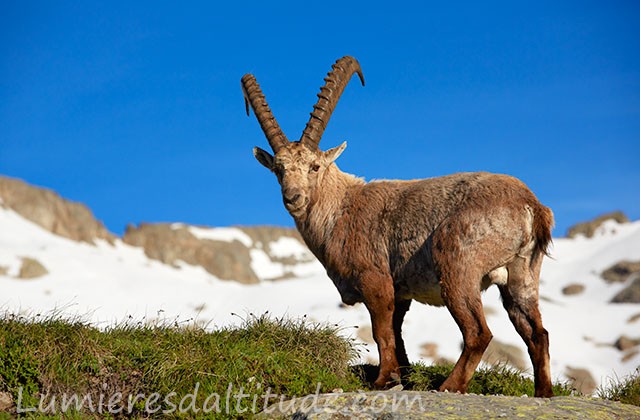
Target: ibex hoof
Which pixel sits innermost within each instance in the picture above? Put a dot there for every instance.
(391, 382)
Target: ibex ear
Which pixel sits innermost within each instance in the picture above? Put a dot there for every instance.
(332, 154)
(264, 157)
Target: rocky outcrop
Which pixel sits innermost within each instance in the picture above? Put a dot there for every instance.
(264, 236)
(46, 208)
(444, 405)
(170, 243)
(589, 228)
(227, 258)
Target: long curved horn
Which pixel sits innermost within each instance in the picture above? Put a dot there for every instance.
(335, 82)
(253, 96)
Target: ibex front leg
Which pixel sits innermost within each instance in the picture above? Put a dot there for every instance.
(378, 293)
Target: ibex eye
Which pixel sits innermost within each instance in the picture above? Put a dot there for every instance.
(314, 168)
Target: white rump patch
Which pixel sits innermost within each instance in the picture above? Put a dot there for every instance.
(498, 276)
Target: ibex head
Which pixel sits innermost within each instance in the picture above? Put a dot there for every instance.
(300, 165)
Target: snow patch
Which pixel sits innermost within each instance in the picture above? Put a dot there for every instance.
(264, 268)
(285, 247)
(222, 234)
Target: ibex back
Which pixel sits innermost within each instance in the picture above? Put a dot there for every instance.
(440, 241)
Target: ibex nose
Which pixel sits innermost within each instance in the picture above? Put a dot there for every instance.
(291, 196)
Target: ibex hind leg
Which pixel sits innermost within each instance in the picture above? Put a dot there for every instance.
(400, 310)
(465, 305)
(520, 299)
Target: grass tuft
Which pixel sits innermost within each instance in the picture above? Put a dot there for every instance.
(625, 390)
(493, 380)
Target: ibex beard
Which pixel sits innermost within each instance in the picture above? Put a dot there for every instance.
(439, 241)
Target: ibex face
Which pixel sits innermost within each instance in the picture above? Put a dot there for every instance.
(299, 170)
(300, 165)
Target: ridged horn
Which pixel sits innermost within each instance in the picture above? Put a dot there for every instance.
(335, 82)
(253, 96)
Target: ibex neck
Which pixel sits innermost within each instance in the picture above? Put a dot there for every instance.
(329, 200)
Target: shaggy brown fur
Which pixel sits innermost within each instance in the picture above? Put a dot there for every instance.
(440, 241)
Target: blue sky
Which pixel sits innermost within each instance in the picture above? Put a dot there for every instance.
(135, 108)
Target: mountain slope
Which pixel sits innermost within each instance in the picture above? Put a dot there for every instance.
(110, 281)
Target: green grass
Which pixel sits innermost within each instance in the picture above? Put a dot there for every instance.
(493, 380)
(284, 357)
(228, 371)
(625, 390)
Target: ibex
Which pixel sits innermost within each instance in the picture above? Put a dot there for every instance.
(440, 241)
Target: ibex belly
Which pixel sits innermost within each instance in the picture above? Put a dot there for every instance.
(426, 289)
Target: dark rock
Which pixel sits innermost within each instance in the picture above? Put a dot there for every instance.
(57, 215)
(498, 352)
(633, 318)
(581, 379)
(31, 269)
(573, 289)
(429, 350)
(490, 310)
(621, 271)
(629, 355)
(589, 228)
(365, 334)
(625, 343)
(630, 294)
